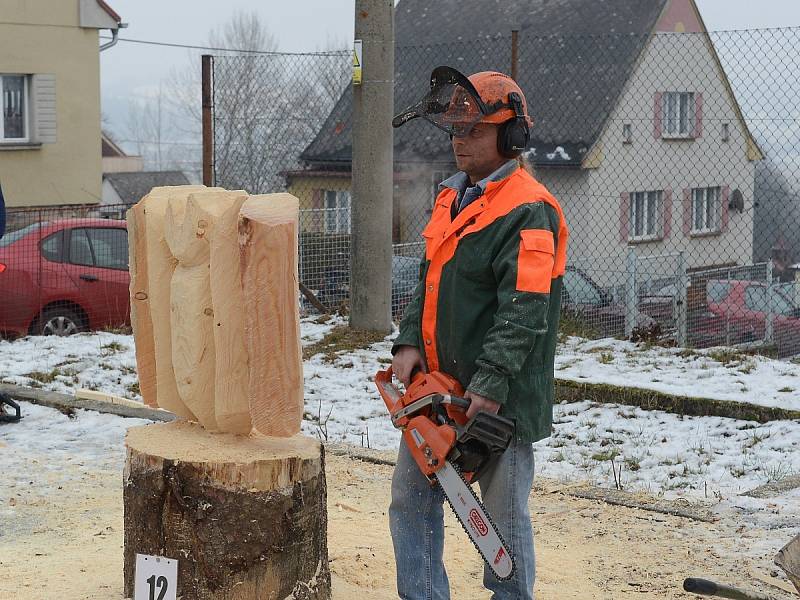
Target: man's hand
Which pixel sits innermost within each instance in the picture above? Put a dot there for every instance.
(480, 403)
(405, 361)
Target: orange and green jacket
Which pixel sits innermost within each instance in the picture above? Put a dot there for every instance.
(487, 305)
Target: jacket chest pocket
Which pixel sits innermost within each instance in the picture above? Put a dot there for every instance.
(474, 265)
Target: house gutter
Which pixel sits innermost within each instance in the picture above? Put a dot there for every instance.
(114, 34)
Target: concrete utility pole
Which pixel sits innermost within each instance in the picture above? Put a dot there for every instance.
(372, 183)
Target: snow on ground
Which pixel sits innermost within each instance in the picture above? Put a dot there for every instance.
(702, 458)
(97, 361)
(717, 373)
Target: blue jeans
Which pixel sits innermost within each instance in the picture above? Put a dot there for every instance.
(416, 520)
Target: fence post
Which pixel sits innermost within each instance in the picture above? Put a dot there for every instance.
(373, 169)
(769, 323)
(681, 308)
(630, 291)
(514, 53)
(207, 91)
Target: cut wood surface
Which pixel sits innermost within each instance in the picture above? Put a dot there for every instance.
(268, 230)
(191, 313)
(231, 406)
(160, 267)
(141, 323)
(245, 516)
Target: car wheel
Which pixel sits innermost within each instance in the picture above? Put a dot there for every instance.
(59, 321)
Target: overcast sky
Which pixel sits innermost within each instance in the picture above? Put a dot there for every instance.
(131, 71)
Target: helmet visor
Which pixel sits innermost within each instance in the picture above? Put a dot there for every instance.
(452, 104)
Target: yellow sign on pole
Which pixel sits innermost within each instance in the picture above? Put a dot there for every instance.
(357, 62)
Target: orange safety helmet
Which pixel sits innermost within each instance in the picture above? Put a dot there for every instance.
(494, 89)
(456, 103)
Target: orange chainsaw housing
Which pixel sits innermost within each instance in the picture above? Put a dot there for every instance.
(428, 442)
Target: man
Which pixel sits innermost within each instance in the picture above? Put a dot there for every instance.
(486, 312)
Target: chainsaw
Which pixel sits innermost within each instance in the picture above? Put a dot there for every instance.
(453, 451)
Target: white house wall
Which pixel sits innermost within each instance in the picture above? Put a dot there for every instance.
(592, 197)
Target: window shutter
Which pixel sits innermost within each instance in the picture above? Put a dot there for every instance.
(658, 115)
(624, 216)
(697, 126)
(667, 213)
(317, 203)
(723, 209)
(687, 211)
(43, 103)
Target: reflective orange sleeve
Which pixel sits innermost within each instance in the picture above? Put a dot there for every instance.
(536, 260)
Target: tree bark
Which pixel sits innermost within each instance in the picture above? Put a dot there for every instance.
(244, 516)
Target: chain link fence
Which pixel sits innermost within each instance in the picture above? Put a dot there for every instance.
(674, 156)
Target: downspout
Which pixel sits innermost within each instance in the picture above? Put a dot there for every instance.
(114, 34)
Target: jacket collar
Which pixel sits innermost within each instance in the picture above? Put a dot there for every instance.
(460, 181)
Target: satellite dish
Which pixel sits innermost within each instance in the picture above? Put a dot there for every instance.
(736, 201)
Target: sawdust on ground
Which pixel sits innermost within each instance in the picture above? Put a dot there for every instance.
(70, 546)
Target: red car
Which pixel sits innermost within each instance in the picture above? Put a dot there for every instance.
(744, 304)
(64, 276)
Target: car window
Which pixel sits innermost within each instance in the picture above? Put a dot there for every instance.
(756, 299)
(110, 246)
(580, 290)
(718, 290)
(17, 235)
(52, 247)
(80, 252)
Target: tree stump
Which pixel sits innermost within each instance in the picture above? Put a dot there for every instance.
(244, 516)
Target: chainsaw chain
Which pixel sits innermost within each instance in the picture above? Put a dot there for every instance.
(491, 523)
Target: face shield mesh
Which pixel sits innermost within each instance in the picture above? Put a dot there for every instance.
(452, 104)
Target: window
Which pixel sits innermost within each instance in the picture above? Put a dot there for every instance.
(645, 215)
(627, 133)
(705, 210)
(717, 291)
(337, 211)
(14, 124)
(110, 247)
(755, 299)
(52, 247)
(678, 114)
(80, 251)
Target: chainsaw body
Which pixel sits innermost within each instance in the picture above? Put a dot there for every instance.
(432, 416)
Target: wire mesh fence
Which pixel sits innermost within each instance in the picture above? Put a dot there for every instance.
(674, 156)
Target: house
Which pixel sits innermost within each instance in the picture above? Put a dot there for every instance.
(50, 77)
(122, 190)
(115, 159)
(637, 130)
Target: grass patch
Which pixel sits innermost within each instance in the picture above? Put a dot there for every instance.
(134, 388)
(726, 356)
(786, 390)
(605, 455)
(573, 324)
(606, 358)
(112, 347)
(342, 339)
(42, 377)
(118, 329)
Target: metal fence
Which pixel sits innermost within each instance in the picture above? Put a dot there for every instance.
(674, 156)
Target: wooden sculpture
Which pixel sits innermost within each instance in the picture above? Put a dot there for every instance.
(231, 490)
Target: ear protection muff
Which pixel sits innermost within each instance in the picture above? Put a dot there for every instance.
(514, 134)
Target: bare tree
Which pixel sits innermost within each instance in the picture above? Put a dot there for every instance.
(267, 105)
